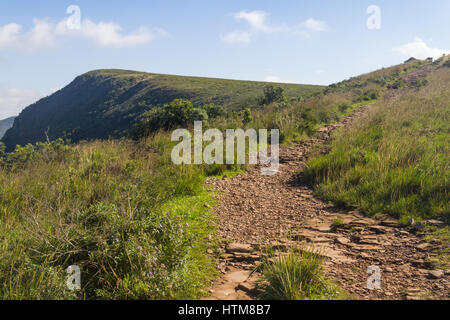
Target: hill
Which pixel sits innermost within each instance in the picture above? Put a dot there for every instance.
(5, 125)
(106, 103)
(141, 227)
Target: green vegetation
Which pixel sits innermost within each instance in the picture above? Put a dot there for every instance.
(272, 94)
(367, 95)
(396, 160)
(247, 117)
(137, 226)
(440, 236)
(178, 113)
(140, 227)
(106, 104)
(5, 125)
(297, 276)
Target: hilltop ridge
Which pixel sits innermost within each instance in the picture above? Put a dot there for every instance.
(104, 104)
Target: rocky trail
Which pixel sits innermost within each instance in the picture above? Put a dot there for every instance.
(279, 212)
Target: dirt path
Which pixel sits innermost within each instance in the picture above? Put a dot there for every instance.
(280, 212)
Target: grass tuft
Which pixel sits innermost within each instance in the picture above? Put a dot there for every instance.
(297, 276)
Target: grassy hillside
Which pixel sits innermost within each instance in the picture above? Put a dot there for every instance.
(5, 125)
(106, 103)
(397, 160)
(137, 226)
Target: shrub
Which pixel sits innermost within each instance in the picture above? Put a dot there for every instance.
(398, 84)
(198, 115)
(214, 111)
(247, 117)
(178, 113)
(272, 94)
(367, 95)
(344, 107)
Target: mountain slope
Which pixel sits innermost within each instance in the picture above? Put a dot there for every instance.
(5, 125)
(106, 103)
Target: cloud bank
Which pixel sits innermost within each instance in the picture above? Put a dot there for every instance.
(45, 34)
(420, 50)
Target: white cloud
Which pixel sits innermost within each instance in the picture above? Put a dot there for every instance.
(257, 21)
(45, 34)
(277, 79)
(13, 100)
(315, 25)
(420, 50)
(237, 37)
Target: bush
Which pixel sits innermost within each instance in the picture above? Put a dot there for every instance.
(247, 117)
(272, 94)
(214, 111)
(178, 113)
(198, 115)
(344, 107)
(398, 84)
(367, 95)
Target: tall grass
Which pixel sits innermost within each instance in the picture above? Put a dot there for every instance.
(395, 161)
(297, 276)
(135, 224)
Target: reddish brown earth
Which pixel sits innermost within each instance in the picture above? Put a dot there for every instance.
(257, 211)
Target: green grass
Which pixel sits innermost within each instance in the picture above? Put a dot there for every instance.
(297, 276)
(138, 227)
(441, 255)
(396, 160)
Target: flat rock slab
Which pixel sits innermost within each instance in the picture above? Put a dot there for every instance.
(237, 276)
(239, 248)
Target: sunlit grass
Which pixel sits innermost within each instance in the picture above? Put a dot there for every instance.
(396, 160)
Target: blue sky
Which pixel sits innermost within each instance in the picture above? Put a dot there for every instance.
(318, 42)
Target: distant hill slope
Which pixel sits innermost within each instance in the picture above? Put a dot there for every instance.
(105, 103)
(5, 125)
